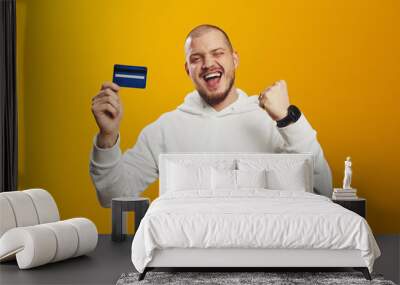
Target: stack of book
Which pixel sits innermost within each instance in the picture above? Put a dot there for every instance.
(344, 194)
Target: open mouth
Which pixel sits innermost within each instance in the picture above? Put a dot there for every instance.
(212, 79)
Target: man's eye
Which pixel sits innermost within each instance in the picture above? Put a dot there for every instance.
(219, 53)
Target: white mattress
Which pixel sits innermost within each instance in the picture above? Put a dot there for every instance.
(251, 218)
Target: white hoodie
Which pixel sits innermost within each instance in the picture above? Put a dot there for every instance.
(197, 127)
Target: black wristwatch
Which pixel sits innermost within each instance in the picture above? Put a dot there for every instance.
(293, 115)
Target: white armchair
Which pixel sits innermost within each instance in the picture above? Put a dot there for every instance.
(31, 231)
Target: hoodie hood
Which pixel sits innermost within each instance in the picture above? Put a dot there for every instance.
(194, 104)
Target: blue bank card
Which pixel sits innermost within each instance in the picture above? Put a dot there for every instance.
(130, 76)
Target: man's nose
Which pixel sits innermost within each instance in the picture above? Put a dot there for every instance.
(208, 62)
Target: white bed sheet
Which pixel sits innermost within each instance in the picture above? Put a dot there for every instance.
(251, 218)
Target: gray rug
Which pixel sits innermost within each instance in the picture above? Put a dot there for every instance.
(231, 278)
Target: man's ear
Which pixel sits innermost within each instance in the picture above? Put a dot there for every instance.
(186, 68)
(235, 59)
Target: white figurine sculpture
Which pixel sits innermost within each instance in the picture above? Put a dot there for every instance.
(347, 173)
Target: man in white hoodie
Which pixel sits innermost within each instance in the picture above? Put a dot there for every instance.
(216, 117)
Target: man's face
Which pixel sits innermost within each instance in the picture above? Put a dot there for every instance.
(211, 65)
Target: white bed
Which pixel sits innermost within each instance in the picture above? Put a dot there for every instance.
(236, 210)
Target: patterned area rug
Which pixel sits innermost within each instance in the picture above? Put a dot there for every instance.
(231, 278)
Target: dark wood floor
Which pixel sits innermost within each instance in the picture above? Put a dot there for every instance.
(110, 260)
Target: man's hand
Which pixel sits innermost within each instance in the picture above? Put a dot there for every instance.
(275, 100)
(107, 111)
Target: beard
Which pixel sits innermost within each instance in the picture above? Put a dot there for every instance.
(217, 98)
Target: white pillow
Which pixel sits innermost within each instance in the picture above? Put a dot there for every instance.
(223, 179)
(283, 174)
(182, 177)
(293, 179)
(236, 179)
(251, 178)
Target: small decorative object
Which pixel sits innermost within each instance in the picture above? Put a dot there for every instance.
(347, 173)
(347, 192)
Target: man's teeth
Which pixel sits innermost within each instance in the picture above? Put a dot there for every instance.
(212, 75)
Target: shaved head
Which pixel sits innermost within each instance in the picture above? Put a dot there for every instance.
(201, 30)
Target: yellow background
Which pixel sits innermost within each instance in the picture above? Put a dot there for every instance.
(340, 59)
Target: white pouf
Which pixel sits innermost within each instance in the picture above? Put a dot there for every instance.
(31, 233)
